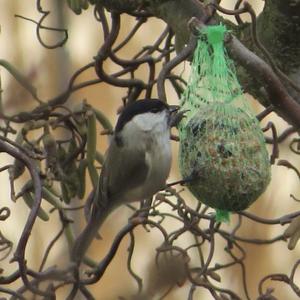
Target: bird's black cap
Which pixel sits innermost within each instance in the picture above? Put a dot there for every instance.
(139, 107)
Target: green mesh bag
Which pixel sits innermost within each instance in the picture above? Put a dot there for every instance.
(222, 148)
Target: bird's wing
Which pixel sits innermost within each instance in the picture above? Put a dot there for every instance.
(131, 173)
(113, 184)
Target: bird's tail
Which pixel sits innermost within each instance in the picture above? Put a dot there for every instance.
(97, 217)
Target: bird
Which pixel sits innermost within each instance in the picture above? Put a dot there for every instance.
(136, 166)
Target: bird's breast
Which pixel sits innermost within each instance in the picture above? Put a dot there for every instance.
(158, 158)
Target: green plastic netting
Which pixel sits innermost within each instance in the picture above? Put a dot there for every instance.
(222, 147)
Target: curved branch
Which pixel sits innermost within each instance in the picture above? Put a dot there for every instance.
(283, 103)
(168, 67)
(19, 255)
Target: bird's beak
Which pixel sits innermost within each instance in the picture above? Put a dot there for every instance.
(173, 108)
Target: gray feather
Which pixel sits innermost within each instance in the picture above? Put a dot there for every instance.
(132, 171)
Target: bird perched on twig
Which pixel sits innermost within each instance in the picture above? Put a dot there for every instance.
(137, 164)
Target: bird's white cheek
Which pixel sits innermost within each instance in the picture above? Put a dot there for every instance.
(152, 121)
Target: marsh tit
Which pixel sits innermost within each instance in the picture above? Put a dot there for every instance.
(137, 164)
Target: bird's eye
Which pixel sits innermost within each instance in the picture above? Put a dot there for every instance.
(155, 110)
